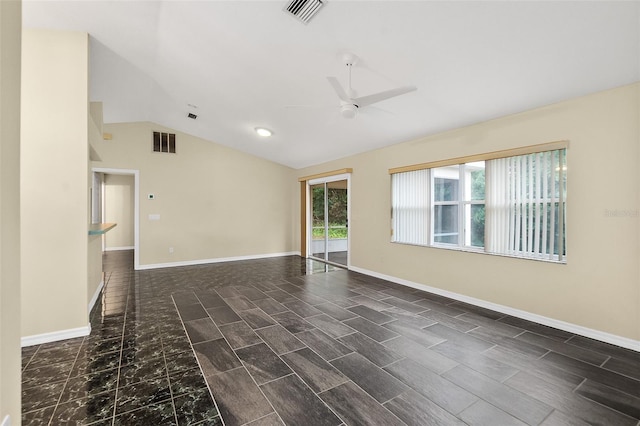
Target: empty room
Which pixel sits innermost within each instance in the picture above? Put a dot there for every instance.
(319, 212)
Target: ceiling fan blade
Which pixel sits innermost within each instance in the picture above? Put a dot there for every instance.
(377, 97)
(380, 110)
(338, 89)
(308, 106)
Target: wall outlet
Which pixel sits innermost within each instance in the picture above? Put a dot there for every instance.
(170, 250)
(155, 216)
(151, 196)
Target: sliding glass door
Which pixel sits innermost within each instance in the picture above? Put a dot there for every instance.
(329, 220)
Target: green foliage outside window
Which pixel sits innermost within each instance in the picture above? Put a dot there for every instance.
(337, 209)
(477, 214)
(338, 232)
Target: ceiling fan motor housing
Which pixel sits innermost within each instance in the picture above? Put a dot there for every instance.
(349, 110)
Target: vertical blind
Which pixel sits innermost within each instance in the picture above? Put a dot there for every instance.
(525, 212)
(411, 207)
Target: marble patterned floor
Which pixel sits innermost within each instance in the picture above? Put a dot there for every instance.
(292, 341)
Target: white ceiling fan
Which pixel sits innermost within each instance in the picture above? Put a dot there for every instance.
(349, 103)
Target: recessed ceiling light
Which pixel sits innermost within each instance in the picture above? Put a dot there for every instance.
(263, 132)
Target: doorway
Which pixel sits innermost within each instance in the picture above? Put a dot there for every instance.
(328, 219)
(119, 188)
(117, 207)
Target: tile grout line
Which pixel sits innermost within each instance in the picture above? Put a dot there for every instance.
(604, 362)
(124, 324)
(579, 384)
(394, 362)
(166, 366)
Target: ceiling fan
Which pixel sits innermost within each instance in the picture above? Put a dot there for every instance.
(349, 103)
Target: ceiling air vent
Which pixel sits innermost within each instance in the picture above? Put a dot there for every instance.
(304, 10)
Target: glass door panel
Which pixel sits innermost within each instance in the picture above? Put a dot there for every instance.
(337, 223)
(318, 222)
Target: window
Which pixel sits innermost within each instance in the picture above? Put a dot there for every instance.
(458, 204)
(509, 205)
(446, 205)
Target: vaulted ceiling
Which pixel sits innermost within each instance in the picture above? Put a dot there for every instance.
(243, 64)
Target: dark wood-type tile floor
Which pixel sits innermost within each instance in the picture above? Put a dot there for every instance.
(292, 341)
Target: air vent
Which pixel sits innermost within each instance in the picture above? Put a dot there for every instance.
(164, 142)
(304, 10)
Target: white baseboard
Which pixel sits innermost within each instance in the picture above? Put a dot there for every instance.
(54, 336)
(94, 299)
(562, 325)
(6, 421)
(217, 260)
(119, 248)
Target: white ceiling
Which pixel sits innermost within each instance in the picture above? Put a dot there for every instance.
(241, 63)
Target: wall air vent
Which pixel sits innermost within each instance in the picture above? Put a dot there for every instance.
(304, 10)
(164, 142)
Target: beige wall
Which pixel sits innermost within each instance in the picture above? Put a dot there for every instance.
(10, 35)
(214, 202)
(599, 287)
(54, 167)
(119, 192)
